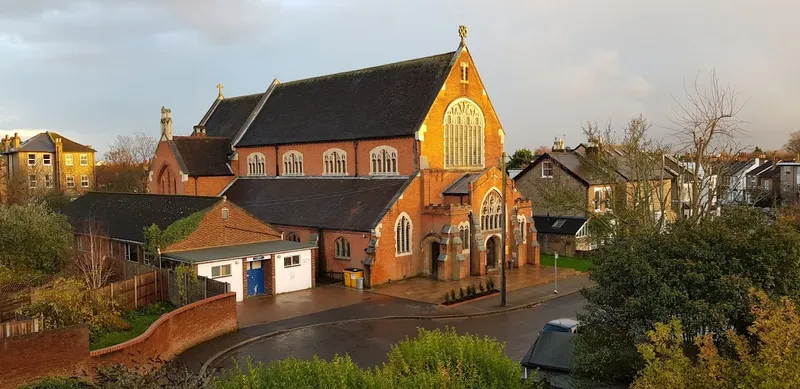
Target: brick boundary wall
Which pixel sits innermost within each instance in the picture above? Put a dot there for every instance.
(65, 352)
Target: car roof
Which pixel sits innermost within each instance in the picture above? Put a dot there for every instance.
(566, 323)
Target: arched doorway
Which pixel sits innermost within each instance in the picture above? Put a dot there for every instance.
(491, 252)
(434, 259)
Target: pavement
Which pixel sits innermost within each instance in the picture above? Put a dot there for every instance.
(432, 291)
(372, 311)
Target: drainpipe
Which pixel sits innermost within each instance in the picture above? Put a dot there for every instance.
(277, 165)
(355, 146)
(195, 186)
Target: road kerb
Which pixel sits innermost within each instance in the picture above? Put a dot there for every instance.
(382, 318)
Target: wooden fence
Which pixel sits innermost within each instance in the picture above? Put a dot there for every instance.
(139, 291)
(20, 327)
(10, 303)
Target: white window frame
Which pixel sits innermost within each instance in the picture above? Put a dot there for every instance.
(69, 160)
(84, 159)
(608, 197)
(403, 233)
(598, 199)
(225, 214)
(547, 166)
(222, 271)
(129, 250)
(256, 164)
(31, 161)
(464, 131)
(47, 160)
(293, 163)
(84, 180)
(384, 161)
(334, 162)
(48, 180)
(294, 261)
(33, 181)
(70, 181)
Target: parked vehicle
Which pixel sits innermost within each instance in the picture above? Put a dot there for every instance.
(561, 325)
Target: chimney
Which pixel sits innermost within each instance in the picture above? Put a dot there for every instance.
(16, 141)
(166, 123)
(743, 156)
(6, 143)
(199, 131)
(558, 145)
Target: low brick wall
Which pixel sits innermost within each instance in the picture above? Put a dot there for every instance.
(65, 352)
(174, 332)
(62, 352)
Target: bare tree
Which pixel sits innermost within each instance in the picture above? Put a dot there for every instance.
(93, 258)
(706, 125)
(131, 149)
(793, 144)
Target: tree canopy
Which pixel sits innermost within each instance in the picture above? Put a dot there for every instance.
(520, 159)
(793, 144)
(699, 272)
(33, 239)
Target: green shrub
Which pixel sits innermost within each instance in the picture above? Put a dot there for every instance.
(481, 287)
(445, 359)
(34, 239)
(461, 293)
(293, 373)
(69, 302)
(171, 376)
(447, 297)
(59, 383)
(453, 294)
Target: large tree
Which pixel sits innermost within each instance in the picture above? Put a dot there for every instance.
(793, 144)
(520, 159)
(126, 164)
(33, 239)
(699, 272)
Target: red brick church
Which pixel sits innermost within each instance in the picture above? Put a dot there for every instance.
(393, 168)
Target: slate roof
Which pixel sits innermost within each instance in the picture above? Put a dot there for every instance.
(378, 102)
(237, 251)
(46, 142)
(346, 203)
(760, 169)
(230, 114)
(203, 155)
(551, 351)
(125, 215)
(461, 186)
(571, 225)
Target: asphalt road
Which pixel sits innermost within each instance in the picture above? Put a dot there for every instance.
(368, 342)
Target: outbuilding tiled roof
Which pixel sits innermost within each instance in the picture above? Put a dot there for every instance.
(125, 215)
(203, 155)
(379, 102)
(347, 203)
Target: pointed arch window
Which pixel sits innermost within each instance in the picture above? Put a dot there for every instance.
(463, 230)
(402, 235)
(491, 212)
(463, 135)
(383, 161)
(334, 163)
(256, 165)
(292, 236)
(522, 223)
(293, 163)
(342, 248)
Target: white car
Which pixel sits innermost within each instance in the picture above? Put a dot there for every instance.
(561, 325)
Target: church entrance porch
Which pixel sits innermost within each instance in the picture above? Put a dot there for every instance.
(434, 259)
(492, 254)
(429, 290)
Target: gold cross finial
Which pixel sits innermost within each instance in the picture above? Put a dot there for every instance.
(462, 32)
(220, 96)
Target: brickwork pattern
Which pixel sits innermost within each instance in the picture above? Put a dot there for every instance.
(63, 352)
(165, 158)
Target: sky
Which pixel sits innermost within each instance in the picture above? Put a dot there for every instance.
(95, 69)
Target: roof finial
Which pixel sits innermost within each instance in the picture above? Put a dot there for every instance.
(220, 86)
(462, 32)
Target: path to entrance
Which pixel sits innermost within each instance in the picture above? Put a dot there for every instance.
(432, 291)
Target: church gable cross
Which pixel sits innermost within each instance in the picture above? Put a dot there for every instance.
(462, 32)
(219, 87)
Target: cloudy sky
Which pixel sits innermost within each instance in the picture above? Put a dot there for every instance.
(93, 69)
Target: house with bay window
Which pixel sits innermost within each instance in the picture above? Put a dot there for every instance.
(392, 168)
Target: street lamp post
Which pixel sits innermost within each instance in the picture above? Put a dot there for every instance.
(555, 277)
(503, 235)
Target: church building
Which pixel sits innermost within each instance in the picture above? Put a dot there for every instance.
(394, 169)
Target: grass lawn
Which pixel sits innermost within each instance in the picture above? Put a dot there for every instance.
(579, 264)
(139, 320)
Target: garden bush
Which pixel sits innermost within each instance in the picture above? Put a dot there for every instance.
(293, 373)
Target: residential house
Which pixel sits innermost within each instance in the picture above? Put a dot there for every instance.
(565, 235)
(48, 161)
(733, 180)
(393, 168)
(760, 190)
(218, 238)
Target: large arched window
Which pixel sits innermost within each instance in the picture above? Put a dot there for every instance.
(256, 165)
(293, 237)
(292, 163)
(402, 235)
(334, 163)
(383, 161)
(522, 224)
(463, 230)
(166, 181)
(463, 134)
(342, 248)
(491, 211)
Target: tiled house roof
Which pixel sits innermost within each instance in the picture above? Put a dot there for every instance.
(348, 203)
(125, 215)
(379, 102)
(203, 155)
(45, 142)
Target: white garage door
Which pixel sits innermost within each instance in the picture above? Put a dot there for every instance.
(293, 271)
